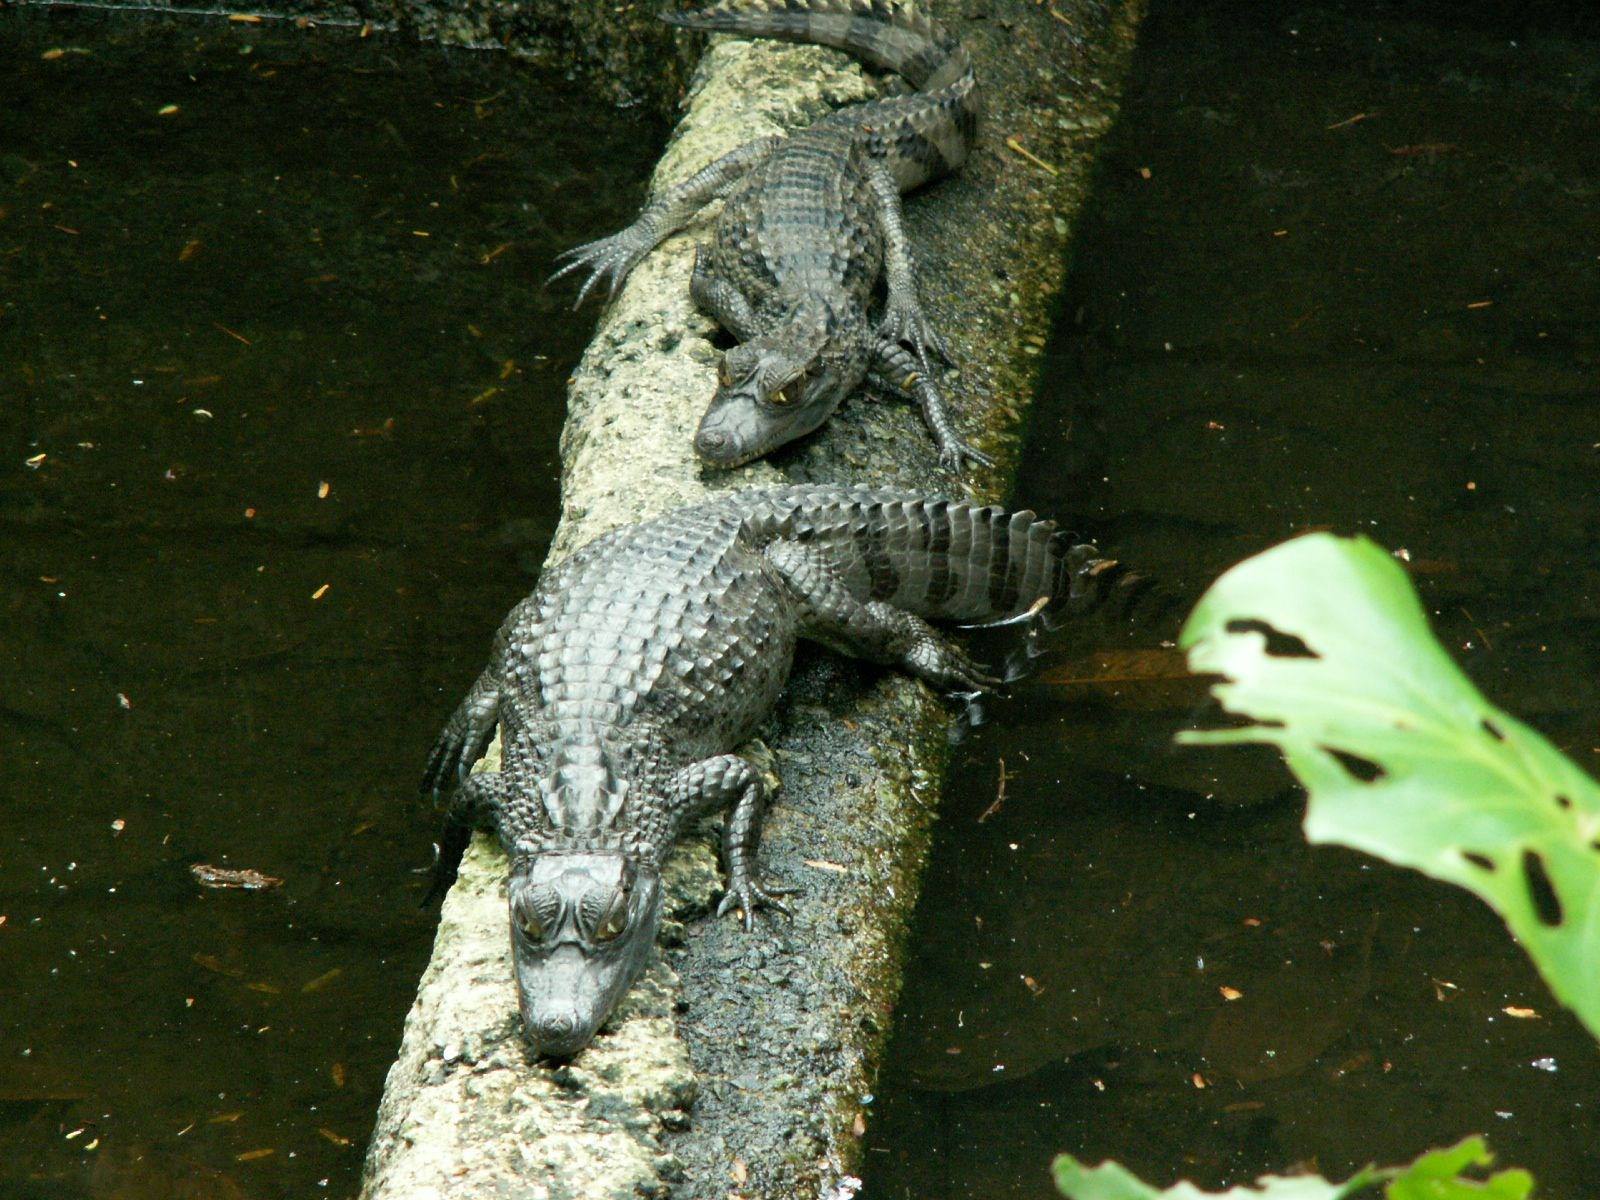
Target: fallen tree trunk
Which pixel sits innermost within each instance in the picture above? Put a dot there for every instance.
(740, 1063)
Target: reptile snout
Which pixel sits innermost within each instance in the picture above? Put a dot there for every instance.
(710, 443)
(555, 1026)
(555, 1033)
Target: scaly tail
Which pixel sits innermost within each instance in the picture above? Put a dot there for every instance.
(940, 559)
(921, 136)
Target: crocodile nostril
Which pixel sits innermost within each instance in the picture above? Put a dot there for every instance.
(554, 1027)
(709, 441)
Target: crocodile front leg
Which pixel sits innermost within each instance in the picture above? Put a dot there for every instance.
(720, 300)
(870, 629)
(663, 216)
(466, 736)
(476, 804)
(903, 318)
(896, 368)
(715, 783)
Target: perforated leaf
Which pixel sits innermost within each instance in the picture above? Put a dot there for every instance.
(1323, 644)
(1437, 1175)
(1113, 1181)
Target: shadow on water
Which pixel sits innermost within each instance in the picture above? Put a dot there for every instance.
(279, 396)
(1341, 270)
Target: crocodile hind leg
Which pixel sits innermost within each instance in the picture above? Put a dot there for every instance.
(903, 318)
(715, 783)
(870, 629)
(662, 216)
(896, 368)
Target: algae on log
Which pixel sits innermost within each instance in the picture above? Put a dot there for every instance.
(773, 1038)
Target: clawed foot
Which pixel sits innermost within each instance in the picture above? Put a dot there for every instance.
(440, 878)
(612, 256)
(954, 455)
(951, 669)
(907, 324)
(747, 895)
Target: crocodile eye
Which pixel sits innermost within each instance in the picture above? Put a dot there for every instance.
(525, 913)
(615, 921)
(788, 395)
(724, 376)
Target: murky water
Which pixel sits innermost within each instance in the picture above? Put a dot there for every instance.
(1342, 269)
(279, 392)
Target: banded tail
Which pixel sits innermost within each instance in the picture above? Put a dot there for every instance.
(941, 559)
(921, 135)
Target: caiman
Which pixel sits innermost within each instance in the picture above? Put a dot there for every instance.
(810, 224)
(622, 685)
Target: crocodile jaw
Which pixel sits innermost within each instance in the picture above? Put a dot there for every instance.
(738, 427)
(567, 990)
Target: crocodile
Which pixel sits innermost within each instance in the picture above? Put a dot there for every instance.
(810, 224)
(622, 685)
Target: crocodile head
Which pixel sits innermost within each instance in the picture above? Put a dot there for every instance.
(582, 925)
(782, 385)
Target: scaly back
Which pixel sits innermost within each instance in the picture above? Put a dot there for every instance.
(921, 136)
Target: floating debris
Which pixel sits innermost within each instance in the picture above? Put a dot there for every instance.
(207, 875)
(212, 963)
(1360, 116)
(322, 981)
(1019, 148)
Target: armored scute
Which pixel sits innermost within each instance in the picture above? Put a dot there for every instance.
(811, 223)
(622, 685)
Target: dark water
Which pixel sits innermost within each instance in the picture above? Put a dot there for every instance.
(288, 337)
(1279, 318)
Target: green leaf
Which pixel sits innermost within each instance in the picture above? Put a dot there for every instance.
(1400, 754)
(1112, 1181)
(1437, 1175)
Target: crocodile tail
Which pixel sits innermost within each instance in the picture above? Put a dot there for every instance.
(920, 136)
(942, 559)
(885, 33)
(979, 564)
